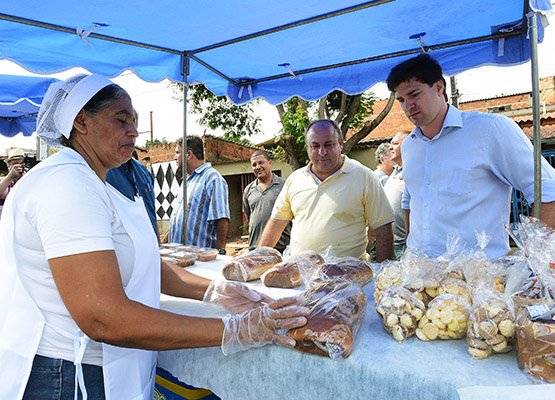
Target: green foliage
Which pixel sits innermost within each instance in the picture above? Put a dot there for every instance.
(365, 108)
(237, 122)
(294, 121)
(156, 141)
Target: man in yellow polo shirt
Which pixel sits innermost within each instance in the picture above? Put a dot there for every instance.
(332, 201)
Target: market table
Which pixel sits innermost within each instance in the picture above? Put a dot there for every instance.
(378, 368)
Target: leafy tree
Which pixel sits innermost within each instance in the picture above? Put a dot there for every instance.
(351, 112)
(237, 122)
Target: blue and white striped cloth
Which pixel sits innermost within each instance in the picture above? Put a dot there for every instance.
(208, 201)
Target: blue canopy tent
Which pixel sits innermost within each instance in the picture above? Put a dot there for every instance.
(267, 49)
(20, 99)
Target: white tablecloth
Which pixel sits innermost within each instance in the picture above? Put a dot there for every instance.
(378, 368)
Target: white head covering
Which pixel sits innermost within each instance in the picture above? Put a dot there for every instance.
(62, 102)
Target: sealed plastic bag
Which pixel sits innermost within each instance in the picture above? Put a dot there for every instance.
(251, 265)
(400, 311)
(337, 308)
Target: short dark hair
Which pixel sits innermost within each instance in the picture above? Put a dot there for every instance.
(423, 68)
(257, 153)
(194, 143)
(330, 122)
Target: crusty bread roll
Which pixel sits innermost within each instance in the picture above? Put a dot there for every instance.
(290, 273)
(350, 268)
(336, 311)
(251, 265)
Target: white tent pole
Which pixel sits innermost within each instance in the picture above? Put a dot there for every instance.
(185, 69)
(536, 116)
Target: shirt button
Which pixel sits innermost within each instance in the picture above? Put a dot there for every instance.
(425, 204)
(427, 182)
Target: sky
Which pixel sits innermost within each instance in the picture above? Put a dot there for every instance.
(160, 100)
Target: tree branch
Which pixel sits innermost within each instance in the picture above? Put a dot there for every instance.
(287, 145)
(281, 112)
(322, 110)
(342, 109)
(369, 126)
(353, 110)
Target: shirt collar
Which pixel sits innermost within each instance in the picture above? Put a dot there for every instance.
(453, 119)
(200, 169)
(272, 182)
(344, 169)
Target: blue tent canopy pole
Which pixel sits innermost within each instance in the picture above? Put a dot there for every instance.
(185, 68)
(536, 115)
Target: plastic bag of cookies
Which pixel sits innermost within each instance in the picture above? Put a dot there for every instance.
(388, 275)
(400, 311)
(491, 326)
(445, 318)
(421, 275)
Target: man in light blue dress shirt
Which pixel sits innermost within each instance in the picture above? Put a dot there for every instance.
(459, 167)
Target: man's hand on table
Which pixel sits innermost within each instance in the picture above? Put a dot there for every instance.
(234, 296)
(260, 326)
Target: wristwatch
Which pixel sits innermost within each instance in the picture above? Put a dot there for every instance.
(222, 252)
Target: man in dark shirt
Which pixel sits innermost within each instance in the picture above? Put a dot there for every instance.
(259, 198)
(134, 179)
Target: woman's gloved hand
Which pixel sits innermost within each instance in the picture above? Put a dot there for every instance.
(259, 326)
(234, 296)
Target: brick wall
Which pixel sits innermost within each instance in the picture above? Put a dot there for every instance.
(392, 123)
(216, 151)
(498, 104)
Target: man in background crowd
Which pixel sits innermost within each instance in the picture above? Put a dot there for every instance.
(332, 201)
(15, 172)
(133, 179)
(207, 201)
(384, 165)
(394, 188)
(259, 197)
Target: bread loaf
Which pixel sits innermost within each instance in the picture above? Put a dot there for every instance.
(350, 268)
(535, 337)
(336, 311)
(251, 265)
(289, 274)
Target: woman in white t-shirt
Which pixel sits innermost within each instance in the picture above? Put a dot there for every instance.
(81, 273)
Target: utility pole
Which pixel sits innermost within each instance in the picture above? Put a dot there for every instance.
(454, 92)
(151, 130)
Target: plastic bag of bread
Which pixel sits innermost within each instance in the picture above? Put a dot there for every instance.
(337, 308)
(184, 261)
(292, 271)
(251, 265)
(349, 268)
(445, 318)
(389, 274)
(421, 275)
(535, 315)
(535, 336)
(400, 311)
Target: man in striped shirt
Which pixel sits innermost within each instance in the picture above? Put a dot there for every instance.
(207, 201)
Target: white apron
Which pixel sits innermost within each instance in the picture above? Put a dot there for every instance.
(128, 373)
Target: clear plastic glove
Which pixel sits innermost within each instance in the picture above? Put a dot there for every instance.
(260, 326)
(234, 296)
